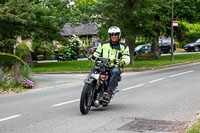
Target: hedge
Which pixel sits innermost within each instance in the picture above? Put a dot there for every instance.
(8, 60)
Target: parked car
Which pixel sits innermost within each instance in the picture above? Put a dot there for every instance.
(165, 45)
(95, 44)
(144, 48)
(195, 46)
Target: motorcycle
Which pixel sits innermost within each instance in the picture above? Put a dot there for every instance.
(62, 57)
(96, 83)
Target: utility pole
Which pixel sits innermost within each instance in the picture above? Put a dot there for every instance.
(172, 30)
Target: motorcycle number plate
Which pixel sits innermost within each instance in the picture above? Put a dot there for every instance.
(96, 76)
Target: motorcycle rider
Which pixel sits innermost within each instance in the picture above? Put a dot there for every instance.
(118, 53)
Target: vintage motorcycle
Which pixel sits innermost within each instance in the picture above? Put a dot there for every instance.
(96, 84)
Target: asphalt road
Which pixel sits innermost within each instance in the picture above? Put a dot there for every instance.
(166, 95)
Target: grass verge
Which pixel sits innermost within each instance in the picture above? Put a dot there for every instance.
(195, 128)
(140, 64)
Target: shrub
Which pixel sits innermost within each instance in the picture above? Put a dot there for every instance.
(8, 60)
(63, 50)
(191, 37)
(41, 47)
(23, 51)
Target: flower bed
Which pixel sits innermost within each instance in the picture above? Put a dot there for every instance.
(15, 79)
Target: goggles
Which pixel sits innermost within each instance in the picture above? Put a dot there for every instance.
(114, 34)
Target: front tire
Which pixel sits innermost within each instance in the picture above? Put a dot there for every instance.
(86, 99)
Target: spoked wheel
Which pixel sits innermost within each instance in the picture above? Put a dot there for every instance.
(86, 99)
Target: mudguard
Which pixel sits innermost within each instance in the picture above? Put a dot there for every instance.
(88, 81)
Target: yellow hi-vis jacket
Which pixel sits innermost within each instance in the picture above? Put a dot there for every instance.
(116, 53)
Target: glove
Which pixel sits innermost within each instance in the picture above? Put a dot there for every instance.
(121, 64)
(92, 57)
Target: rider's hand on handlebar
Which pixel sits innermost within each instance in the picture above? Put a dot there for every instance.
(121, 64)
(92, 57)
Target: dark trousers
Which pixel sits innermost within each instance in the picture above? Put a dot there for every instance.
(114, 76)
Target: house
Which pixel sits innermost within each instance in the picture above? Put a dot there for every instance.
(86, 32)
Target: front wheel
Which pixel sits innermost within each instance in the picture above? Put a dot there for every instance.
(86, 99)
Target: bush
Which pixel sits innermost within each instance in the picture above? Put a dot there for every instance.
(191, 37)
(41, 47)
(8, 60)
(14, 73)
(23, 51)
(63, 50)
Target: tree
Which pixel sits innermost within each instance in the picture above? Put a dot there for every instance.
(135, 18)
(15, 15)
(42, 20)
(187, 10)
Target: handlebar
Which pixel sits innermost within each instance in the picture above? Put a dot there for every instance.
(107, 60)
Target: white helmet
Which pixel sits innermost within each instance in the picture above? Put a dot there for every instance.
(114, 30)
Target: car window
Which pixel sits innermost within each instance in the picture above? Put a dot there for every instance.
(167, 40)
(198, 41)
(138, 47)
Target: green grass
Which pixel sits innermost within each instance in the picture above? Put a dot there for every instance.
(140, 64)
(195, 128)
(64, 66)
(164, 61)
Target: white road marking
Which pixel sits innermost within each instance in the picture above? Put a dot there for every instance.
(132, 87)
(156, 80)
(181, 73)
(11, 117)
(59, 104)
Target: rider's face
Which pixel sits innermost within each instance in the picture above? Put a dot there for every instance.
(114, 37)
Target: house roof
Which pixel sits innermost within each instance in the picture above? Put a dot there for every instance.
(82, 29)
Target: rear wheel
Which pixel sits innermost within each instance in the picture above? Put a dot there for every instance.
(196, 49)
(86, 99)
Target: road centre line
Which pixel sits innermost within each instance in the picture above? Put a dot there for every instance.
(156, 80)
(181, 73)
(132, 87)
(59, 104)
(11, 117)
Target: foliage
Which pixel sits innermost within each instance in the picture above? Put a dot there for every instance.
(33, 18)
(23, 51)
(8, 60)
(191, 37)
(187, 32)
(14, 79)
(15, 16)
(44, 48)
(6, 46)
(195, 128)
(63, 50)
(187, 10)
(74, 43)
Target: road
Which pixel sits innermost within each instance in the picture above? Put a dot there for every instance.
(149, 101)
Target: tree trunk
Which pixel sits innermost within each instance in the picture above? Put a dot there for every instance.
(131, 43)
(155, 47)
